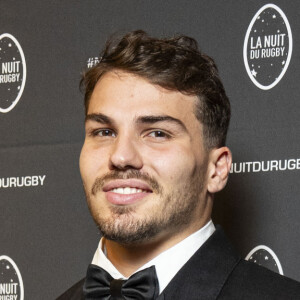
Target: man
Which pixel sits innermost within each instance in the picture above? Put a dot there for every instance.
(153, 157)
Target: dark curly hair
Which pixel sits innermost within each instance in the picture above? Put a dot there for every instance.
(174, 64)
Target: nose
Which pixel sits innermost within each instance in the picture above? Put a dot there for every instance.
(125, 154)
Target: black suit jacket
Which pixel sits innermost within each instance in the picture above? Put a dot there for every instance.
(216, 271)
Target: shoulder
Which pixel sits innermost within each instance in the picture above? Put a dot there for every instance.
(73, 293)
(250, 281)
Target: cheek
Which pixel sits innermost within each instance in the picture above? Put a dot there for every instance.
(173, 164)
(90, 162)
(83, 163)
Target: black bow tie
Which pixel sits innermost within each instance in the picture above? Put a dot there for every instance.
(142, 285)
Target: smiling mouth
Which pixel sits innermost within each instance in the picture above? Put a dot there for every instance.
(128, 190)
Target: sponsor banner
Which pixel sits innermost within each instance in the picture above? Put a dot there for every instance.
(92, 62)
(23, 181)
(268, 47)
(11, 283)
(265, 256)
(265, 166)
(12, 72)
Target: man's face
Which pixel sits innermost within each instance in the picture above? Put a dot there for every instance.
(143, 163)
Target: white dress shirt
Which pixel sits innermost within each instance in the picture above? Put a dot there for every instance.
(167, 263)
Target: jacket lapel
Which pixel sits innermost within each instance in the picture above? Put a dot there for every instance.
(204, 275)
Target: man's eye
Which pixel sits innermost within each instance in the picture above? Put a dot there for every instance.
(104, 132)
(159, 134)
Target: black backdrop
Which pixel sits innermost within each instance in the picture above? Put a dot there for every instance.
(45, 227)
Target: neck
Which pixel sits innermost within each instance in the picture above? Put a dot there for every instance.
(129, 258)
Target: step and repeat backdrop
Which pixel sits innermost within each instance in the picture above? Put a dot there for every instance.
(47, 237)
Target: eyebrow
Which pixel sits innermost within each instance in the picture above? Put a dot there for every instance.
(156, 119)
(103, 119)
(99, 118)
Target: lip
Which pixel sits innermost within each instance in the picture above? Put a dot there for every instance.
(122, 183)
(122, 199)
(126, 199)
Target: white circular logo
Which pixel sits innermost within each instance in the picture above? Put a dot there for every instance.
(12, 72)
(11, 283)
(268, 47)
(265, 256)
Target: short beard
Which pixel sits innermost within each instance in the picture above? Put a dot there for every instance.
(125, 229)
(171, 211)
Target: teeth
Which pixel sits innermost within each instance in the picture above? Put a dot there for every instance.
(127, 190)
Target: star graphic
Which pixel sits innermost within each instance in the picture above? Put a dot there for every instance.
(254, 73)
(274, 16)
(266, 257)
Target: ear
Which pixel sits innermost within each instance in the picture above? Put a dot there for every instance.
(220, 160)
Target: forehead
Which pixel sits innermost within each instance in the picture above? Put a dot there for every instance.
(123, 94)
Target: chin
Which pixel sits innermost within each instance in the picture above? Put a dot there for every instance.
(128, 230)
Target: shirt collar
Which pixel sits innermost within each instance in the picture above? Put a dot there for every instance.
(168, 263)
